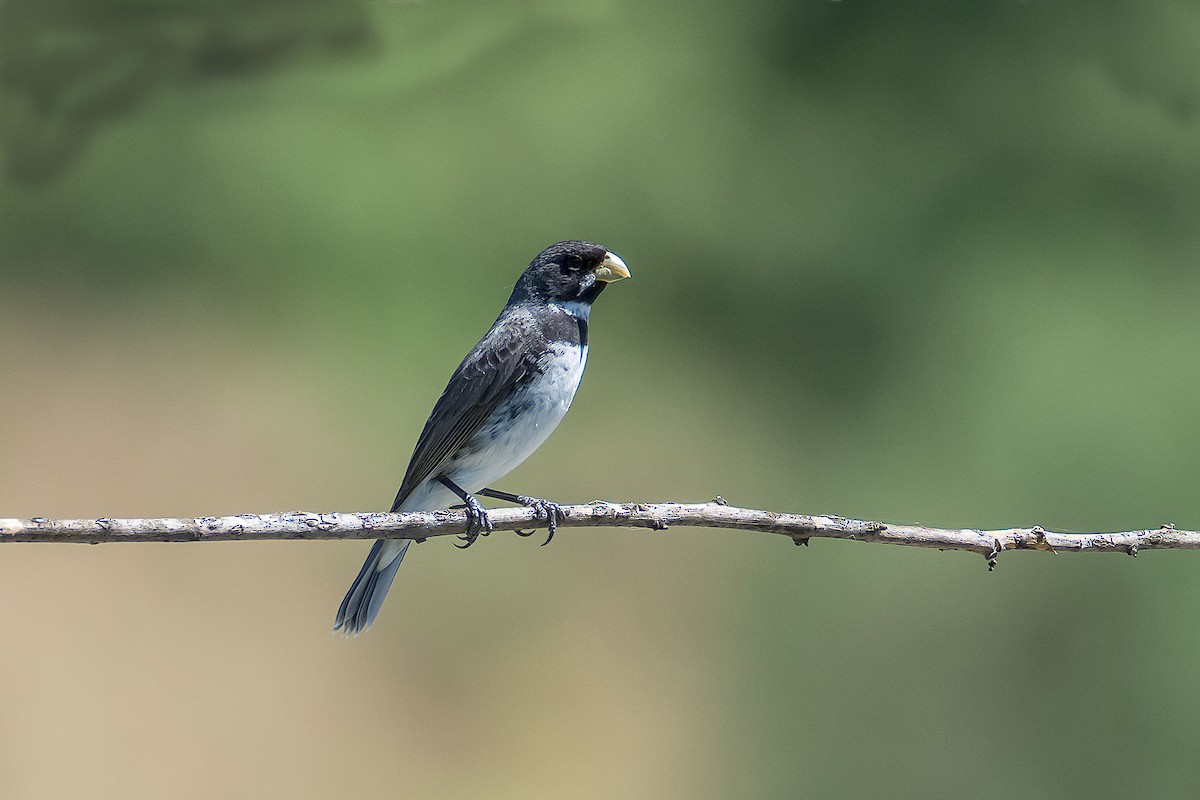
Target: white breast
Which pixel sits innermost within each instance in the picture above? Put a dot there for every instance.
(521, 424)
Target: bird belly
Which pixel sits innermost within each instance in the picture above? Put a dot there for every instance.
(521, 423)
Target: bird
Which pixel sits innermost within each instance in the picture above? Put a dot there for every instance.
(502, 402)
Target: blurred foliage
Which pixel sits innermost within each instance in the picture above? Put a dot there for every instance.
(68, 66)
(931, 262)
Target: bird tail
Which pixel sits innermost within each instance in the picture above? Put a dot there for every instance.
(362, 603)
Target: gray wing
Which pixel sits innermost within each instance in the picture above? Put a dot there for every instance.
(506, 356)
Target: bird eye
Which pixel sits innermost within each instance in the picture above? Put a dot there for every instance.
(573, 262)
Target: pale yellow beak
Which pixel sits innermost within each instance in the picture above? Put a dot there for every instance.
(612, 268)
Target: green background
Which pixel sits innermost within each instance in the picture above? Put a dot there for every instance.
(930, 262)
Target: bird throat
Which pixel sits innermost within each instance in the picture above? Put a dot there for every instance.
(578, 311)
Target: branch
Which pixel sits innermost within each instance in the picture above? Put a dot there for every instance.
(656, 516)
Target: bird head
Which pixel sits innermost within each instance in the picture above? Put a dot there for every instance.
(567, 272)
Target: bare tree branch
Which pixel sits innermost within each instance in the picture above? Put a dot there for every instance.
(657, 516)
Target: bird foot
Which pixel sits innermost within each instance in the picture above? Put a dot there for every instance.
(478, 523)
(552, 512)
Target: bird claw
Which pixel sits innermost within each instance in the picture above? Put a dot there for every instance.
(478, 523)
(551, 511)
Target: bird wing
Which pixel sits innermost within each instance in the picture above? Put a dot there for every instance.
(504, 358)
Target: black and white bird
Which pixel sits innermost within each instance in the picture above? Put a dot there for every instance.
(502, 402)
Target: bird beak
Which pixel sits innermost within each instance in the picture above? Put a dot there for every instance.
(612, 268)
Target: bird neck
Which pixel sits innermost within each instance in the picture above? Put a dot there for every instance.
(576, 308)
(579, 311)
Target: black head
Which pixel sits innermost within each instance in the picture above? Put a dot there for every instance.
(568, 271)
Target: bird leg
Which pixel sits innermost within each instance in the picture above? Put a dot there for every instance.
(551, 511)
(478, 523)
